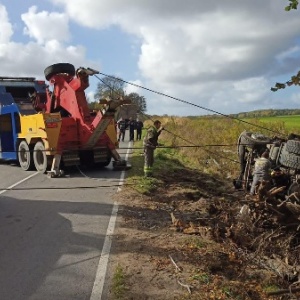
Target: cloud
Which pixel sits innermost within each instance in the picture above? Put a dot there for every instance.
(132, 88)
(44, 26)
(203, 47)
(6, 28)
(215, 54)
(49, 33)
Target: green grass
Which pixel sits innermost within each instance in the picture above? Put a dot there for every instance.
(118, 283)
(290, 122)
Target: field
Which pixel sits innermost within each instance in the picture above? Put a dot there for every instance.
(291, 123)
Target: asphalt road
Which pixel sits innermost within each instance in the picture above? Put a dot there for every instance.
(52, 232)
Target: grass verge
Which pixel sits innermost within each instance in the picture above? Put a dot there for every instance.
(118, 283)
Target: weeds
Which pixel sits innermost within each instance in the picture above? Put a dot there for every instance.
(118, 283)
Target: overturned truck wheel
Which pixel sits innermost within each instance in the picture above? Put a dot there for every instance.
(293, 146)
(289, 160)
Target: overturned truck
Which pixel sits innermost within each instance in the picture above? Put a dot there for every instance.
(284, 155)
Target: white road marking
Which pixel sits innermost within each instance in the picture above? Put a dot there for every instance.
(17, 183)
(103, 261)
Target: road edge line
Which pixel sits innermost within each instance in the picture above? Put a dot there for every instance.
(104, 257)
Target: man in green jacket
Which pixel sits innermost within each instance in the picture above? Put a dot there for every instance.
(150, 143)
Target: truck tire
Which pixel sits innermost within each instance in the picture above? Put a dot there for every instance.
(293, 146)
(25, 156)
(59, 68)
(274, 151)
(103, 164)
(248, 139)
(107, 162)
(289, 160)
(40, 157)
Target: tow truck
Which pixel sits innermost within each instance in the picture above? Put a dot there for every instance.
(50, 126)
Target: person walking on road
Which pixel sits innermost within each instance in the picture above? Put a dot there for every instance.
(131, 124)
(139, 126)
(122, 127)
(150, 143)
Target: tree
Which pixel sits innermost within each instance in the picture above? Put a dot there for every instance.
(139, 101)
(111, 87)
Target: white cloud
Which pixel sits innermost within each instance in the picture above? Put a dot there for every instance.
(5, 26)
(49, 32)
(203, 47)
(132, 88)
(211, 53)
(44, 26)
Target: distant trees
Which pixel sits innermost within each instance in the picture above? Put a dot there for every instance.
(139, 101)
(113, 87)
(110, 86)
(267, 113)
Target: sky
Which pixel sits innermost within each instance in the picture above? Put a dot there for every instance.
(223, 56)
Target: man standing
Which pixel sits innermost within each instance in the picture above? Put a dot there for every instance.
(122, 128)
(139, 126)
(131, 124)
(150, 143)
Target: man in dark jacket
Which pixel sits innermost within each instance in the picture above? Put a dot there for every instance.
(131, 124)
(139, 126)
(150, 143)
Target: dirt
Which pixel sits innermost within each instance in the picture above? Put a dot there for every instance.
(184, 241)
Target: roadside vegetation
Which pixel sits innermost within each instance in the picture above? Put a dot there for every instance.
(175, 242)
(118, 283)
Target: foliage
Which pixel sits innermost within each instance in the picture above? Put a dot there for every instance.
(113, 88)
(293, 5)
(109, 86)
(139, 101)
(295, 80)
(118, 283)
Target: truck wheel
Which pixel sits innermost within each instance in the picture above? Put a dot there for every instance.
(25, 156)
(289, 160)
(293, 146)
(40, 157)
(103, 164)
(274, 151)
(59, 68)
(253, 140)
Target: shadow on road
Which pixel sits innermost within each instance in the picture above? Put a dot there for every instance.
(53, 241)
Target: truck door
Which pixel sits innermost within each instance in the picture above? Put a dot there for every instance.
(9, 128)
